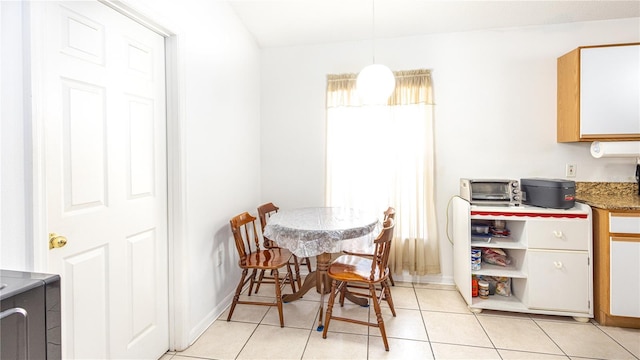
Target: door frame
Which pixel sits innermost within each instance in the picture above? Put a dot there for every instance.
(176, 165)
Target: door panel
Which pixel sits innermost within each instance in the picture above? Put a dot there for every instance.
(83, 139)
(141, 147)
(104, 118)
(87, 270)
(144, 291)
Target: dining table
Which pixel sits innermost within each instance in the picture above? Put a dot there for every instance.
(320, 232)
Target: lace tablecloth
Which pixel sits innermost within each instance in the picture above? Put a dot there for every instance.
(313, 231)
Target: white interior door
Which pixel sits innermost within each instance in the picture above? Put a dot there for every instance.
(103, 106)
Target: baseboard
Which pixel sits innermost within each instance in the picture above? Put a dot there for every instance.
(425, 279)
(208, 320)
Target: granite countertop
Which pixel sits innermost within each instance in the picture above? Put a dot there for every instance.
(609, 195)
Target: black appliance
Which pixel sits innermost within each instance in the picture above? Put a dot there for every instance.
(549, 193)
(29, 315)
(638, 175)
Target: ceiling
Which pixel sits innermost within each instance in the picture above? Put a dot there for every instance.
(278, 23)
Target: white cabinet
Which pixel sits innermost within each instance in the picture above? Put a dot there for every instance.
(617, 267)
(599, 93)
(550, 254)
(610, 90)
(556, 277)
(625, 277)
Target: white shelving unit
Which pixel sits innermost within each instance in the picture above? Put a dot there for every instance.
(551, 254)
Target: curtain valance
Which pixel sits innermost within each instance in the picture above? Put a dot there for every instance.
(412, 87)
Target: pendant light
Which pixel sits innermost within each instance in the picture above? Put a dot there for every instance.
(375, 82)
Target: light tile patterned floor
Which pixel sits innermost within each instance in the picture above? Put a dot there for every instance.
(432, 322)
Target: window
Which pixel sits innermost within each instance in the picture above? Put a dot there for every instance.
(380, 156)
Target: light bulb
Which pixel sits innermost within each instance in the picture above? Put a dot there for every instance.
(375, 83)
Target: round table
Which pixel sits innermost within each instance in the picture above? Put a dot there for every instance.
(319, 232)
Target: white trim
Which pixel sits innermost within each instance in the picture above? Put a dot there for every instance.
(177, 196)
(1, 106)
(139, 15)
(33, 12)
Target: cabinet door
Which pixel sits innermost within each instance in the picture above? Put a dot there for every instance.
(610, 91)
(625, 276)
(461, 229)
(559, 280)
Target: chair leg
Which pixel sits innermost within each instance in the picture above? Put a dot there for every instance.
(276, 283)
(343, 291)
(387, 297)
(253, 281)
(236, 297)
(308, 262)
(296, 265)
(376, 306)
(332, 298)
(290, 278)
(260, 278)
(393, 283)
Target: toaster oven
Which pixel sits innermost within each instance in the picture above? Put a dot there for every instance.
(488, 192)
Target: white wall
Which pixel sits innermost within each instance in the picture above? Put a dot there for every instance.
(219, 66)
(13, 245)
(222, 95)
(495, 94)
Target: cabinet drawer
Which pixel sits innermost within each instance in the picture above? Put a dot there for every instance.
(558, 280)
(624, 223)
(559, 234)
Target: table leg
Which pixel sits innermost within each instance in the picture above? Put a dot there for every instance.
(309, 283)
(322, 283)
(317, 278)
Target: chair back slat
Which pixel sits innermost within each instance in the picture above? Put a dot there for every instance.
(264, 212)
(390, 213)
(382, 249)
(243, 227)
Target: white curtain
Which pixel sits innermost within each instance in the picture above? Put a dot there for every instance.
(380, 156)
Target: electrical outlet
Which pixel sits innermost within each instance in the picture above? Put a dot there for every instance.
(570, 170)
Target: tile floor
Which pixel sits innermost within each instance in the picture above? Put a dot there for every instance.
(432, 322)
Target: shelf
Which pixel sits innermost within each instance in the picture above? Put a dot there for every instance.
(499, 242)
(498, 302)
(497, 270)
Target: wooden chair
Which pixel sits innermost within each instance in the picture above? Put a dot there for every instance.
(253, 258)
(264, 212)
(390, 213)
(370, 271)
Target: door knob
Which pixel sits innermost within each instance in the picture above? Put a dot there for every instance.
(56, 241)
